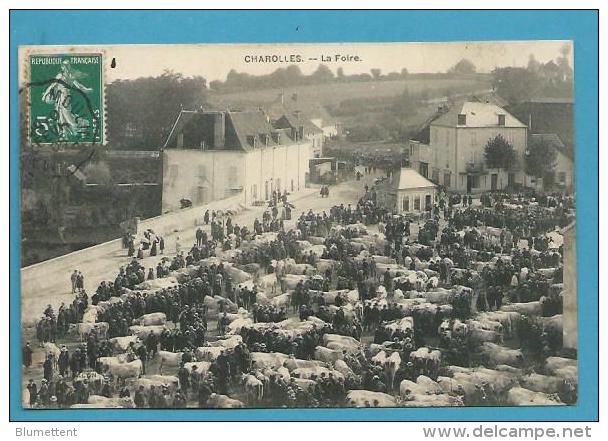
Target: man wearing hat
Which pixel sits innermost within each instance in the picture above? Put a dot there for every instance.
(43, 393)
(33, 390)
(48, 368)
(27, 355)
(60, 390)
(140, 397)
(63, 361)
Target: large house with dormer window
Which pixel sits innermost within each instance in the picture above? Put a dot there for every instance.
(449, 149)
(211, 155)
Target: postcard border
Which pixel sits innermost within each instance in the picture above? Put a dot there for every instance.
(187, 26)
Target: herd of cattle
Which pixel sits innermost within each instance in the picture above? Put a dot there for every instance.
(420, 376)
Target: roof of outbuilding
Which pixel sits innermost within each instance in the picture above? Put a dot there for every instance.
(553, 140)
(297, 119)
(478, 115)
(409, 179)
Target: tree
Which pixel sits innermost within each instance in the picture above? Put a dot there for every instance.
(376, 73)
(533, 65)
(404, 72)
(515, 84)
(141, 112)
(322, 74)
(464, 66)
(541, 158)
(499, 153)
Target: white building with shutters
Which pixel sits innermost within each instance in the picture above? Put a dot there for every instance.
(212, 155)
(449, 149)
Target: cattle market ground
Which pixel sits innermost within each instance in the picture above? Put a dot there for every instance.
(95, 271)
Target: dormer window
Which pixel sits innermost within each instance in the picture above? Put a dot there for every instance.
(501, 120)
(462, 119)
(251, 139)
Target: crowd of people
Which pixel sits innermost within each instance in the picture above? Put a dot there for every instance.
(357, 284)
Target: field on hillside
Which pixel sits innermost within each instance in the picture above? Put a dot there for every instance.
(331, 94)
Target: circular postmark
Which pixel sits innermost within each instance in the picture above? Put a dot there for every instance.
(63, 101)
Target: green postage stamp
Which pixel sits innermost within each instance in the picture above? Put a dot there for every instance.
(66, 98)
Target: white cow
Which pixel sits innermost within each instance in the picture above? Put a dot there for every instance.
(152, 319)
(495, 354)
(543, 383)
(143, 331)
(272, 360)
(519, 396)
(294, 363)
(167, 358)
(328, 355)
(228, 343)
(208, 353)
(218, 401)
(201, 366)
(101, 401)
(366, 398)
(121, 344)
(122, 369)
(529, 308)
(158, 381)
(84, 329)
(253, 387)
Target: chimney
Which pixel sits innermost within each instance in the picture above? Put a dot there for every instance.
(219, 130)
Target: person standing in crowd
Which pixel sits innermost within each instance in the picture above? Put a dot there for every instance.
(74, 280)
(32, 388)
(27, 355)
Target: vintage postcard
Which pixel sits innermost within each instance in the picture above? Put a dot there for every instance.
(298, 225)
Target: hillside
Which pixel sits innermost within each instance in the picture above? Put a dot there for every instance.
(331, 94)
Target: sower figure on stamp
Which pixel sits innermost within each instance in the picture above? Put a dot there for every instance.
(59, 94)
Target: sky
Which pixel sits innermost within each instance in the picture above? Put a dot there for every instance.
(213, 62)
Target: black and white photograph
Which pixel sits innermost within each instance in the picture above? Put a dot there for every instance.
(348, 225)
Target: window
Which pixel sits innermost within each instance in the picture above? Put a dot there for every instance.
(561, 177)
(254, 192)
(417, 203)
(435, 176)
(424, 169)
(406, 203)
(501, 120)
(447, 179)
(462, 120)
